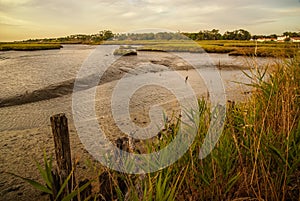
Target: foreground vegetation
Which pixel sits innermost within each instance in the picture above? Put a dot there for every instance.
(256, 158)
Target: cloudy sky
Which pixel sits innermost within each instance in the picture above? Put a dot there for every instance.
(24, 19)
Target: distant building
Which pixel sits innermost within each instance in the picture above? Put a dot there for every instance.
(295, 39)
(260, 40)
(281, 38)
(266, 39)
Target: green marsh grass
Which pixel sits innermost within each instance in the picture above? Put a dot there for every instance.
(236, 48)
(28, 46)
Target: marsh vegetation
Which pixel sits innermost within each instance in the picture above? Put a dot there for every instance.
(18, 46)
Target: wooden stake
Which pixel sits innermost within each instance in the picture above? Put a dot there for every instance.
(59, 124)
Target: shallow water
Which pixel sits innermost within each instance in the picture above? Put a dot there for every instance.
(23, 73)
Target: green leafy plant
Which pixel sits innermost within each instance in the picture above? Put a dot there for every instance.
(47, 176)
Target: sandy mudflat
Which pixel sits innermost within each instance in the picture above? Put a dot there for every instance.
(19, 148)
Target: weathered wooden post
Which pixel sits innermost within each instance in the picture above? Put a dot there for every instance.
(59, 124)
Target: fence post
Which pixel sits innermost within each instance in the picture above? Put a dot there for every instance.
(59, 124)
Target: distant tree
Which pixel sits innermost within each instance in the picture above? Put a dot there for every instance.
(193, 36)
(287, 34)
(215, 35)
(148, 36)
(273, 36)
(240, 34)
(163, 36)
(243, 35)
(255, 37)
(205, 35)
(106, 34)
(229, 35)
(291, 34)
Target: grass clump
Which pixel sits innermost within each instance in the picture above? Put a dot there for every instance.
(52, 183)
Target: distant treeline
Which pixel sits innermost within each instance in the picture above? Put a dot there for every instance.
(201, 35)
(78, 38)
(151, 36)
(213, 34)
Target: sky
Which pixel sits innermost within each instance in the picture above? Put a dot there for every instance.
(25, 19)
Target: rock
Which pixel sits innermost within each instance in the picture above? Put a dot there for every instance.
(125, 52)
